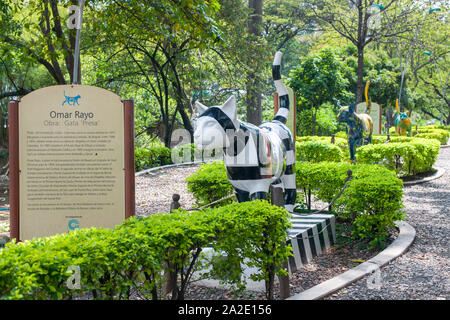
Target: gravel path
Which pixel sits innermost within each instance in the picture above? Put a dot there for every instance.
(153, 195)
(154, 190)
(423, 272)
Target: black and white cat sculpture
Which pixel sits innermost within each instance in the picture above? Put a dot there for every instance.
(255, 157)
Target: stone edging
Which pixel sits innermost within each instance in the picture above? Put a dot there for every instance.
(445, 146)
(440, 172)
(141, 173)
(396, 249)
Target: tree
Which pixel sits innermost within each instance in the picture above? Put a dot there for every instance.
(253, 99)
(352, 20)
(318, 79)
(155, 42)
(40, 36)
(284, 20)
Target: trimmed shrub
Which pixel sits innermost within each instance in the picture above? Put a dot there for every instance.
(131, 256)
(438, 134)
(317, 151)
(372, 200)
(210, 183)
(435, 126)
(151, 157)
(337, 140)
(341, 134)
(406, 158)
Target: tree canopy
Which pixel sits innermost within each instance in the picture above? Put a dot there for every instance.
(167, 54)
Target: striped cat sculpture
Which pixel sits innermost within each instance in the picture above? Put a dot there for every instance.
(255, 157)
(402, 121)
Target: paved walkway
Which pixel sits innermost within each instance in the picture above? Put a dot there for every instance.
(423, 272)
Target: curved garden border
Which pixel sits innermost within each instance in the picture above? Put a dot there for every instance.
(397, 248)
(141, 173)
(439, 173)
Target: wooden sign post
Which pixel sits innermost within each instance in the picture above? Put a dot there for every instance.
(71, 160)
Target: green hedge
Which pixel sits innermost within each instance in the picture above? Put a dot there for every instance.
(435, 126)
(151, 157)
(438, 134)
(372, 200)
(406, 158)
(210, 183)
(132, 255)
(317, 151)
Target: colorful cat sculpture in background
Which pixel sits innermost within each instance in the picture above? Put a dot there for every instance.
(402, 121)
(359, 126)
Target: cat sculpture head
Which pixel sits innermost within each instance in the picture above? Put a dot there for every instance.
(214, 123)
(346, 113)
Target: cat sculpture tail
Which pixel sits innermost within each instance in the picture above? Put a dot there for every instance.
(283, 110)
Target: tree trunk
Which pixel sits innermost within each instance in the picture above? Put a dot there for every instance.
(253, 100)
(186, 121)
(360, 74)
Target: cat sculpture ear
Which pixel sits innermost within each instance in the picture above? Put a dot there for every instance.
(200, 107)
(229, 107)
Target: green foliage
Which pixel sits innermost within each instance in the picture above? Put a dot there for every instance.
(210, 183)
(318, 79)
(341, 134)
(434, 133)
(131, 256)
(317, 151)
(255, 231)
(406, 158)
(326, 123)
(372, 200)
(151, 157)
(337, 140)
(435, 126)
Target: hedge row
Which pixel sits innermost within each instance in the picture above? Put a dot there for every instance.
(145, 158)
(112, 262)
(372, 200)
(338, 141)
(406, 158)
(156, 156)
(438, 132)
(317, 151)
(210, 183)
(405, 155)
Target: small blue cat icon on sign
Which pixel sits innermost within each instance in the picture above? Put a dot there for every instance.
(71, 101)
